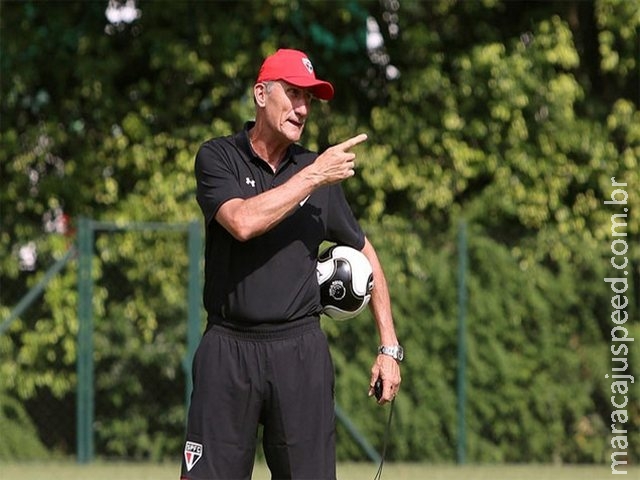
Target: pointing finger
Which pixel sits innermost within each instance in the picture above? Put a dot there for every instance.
(352, 142)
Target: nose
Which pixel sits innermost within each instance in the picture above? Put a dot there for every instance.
(302, 107)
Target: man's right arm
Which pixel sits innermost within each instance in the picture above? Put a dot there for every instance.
(251, 217)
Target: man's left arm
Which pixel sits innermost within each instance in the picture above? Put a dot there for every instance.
(385, 367)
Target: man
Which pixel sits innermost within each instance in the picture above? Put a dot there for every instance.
(268, 204)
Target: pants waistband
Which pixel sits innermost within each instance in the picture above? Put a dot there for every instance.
(278, 331)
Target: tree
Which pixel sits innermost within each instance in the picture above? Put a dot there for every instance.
(511, 115)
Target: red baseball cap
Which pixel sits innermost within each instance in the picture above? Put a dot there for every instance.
(294, 67)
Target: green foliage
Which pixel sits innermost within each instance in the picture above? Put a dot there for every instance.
(19, 440)
(510, 115)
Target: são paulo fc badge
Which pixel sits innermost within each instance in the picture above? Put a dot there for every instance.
(192, 453)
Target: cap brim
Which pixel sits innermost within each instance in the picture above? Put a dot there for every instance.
(320, 89)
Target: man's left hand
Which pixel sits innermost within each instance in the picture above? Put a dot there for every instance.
(388, 370)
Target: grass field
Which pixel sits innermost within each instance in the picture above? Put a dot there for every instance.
(346, 471)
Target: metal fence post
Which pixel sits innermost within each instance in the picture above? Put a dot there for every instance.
(462, 345)
(194, 298)
(85, 405)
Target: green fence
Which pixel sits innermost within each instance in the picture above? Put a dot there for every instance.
(87, 230)
(85, 253)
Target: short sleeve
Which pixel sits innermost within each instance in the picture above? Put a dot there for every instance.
(216, 177)
(342, 226)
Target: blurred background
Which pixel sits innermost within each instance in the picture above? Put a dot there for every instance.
(494, 130)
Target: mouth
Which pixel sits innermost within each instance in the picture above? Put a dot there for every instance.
(296, 123)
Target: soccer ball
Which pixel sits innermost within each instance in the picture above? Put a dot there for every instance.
(346, 279)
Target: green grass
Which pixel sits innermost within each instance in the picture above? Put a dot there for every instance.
(346, 471)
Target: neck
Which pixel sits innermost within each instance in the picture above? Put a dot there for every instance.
(271, 152)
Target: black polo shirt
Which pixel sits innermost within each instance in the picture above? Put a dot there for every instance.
(271, 278)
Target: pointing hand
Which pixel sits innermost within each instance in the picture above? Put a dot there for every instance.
(337, 163)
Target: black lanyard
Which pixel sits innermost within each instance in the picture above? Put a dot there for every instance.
(385, 441)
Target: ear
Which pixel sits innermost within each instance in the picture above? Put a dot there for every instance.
(260, 94)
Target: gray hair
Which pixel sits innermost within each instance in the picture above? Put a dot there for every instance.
(268, 86)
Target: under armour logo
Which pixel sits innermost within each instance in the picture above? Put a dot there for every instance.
(251, 182)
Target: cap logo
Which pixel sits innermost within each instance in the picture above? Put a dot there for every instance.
(307, 63)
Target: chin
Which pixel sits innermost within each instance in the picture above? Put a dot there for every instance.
(294, 136)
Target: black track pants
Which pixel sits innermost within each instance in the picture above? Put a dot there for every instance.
(283, 379)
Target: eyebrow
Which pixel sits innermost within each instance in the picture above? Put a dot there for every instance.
(305, 91)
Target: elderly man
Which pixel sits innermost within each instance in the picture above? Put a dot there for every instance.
(268, 204)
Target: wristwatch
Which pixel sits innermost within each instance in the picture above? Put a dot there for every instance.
(394, 351)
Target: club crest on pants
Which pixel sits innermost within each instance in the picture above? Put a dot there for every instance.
(192, 453)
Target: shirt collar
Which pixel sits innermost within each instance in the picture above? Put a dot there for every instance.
(242, 140)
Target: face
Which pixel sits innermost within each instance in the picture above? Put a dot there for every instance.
(286, 108)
